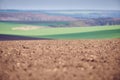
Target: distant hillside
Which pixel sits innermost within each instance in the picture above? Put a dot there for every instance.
(72, 18)
(26, 16)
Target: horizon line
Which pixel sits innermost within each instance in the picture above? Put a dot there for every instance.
(62, 9)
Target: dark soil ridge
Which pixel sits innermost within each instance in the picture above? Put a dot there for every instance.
(5, 37)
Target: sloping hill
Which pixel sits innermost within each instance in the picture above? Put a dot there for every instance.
(61, 33)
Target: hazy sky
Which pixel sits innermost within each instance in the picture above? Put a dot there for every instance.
(60, 4)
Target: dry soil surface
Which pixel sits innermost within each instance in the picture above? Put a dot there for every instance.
(60, 60)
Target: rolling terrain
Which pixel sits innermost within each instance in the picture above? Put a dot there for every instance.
(60, 33)
(59, 45)
(69, 18)
(60, 24)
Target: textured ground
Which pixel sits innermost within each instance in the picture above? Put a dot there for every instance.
(60, 60)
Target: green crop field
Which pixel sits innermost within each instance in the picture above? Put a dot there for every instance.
(97, 32)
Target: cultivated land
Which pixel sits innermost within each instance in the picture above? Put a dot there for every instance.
(96, 32)
(30, 55)
(60, 60)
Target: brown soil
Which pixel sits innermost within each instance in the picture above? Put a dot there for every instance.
(60, 60)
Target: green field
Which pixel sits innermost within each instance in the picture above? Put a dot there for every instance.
(97, 32)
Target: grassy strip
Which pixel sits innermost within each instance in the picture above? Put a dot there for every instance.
(87, 35)
(6, 28)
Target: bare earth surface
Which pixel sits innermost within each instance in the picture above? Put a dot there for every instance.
(60, 60)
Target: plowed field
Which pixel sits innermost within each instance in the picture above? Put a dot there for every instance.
(60, 60)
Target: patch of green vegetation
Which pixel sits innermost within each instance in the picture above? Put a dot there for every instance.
(51, 24)
(42, 23)
(6, 27)
(105, 34)
(63, 33)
